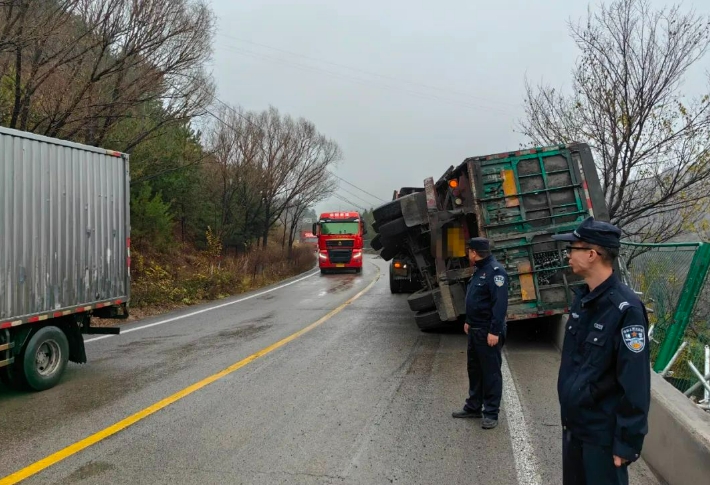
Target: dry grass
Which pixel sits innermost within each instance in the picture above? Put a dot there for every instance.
(161, 282)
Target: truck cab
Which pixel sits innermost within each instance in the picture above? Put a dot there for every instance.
(340, 241)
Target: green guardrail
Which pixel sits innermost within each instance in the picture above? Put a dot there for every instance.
(672, 280)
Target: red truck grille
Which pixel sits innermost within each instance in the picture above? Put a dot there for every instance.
(339, 243)
(340, 255)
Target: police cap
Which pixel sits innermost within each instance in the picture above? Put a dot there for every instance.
(479, 244)
(594, 232)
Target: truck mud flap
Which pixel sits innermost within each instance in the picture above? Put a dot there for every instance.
(450, 301)
(414, 210)
(392, 210)
(103, 330)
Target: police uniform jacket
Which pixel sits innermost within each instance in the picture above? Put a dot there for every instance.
(487, 296)
(604, 380)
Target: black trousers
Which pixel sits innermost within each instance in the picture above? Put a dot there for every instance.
(587, 464)
(485, 381)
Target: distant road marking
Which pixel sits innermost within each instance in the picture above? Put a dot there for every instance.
(192, 314)
(526, 466)
(70, 450)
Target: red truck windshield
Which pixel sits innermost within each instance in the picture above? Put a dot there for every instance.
(339, 227)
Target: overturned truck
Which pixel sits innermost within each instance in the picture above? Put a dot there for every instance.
(518, 200)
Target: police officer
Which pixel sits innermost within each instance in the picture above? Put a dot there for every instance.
(604, 382)
(486, 307)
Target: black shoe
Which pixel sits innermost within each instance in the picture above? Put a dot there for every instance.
(489, 423)
(467, 414)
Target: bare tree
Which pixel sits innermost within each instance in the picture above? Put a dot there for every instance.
(81, 66)
(235, 143)
(294, 159)
(650, 142)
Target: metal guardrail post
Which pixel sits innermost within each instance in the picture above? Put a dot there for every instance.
(699, 375)
(683, 312)
(673, 359)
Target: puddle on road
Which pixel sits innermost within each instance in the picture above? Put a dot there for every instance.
(89, 470)
(342, 284)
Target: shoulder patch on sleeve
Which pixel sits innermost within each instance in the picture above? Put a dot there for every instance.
(623, 305)
(634, 337)
(499, 280)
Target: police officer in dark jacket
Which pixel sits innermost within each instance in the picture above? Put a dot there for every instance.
(604, 384)
(486, 307)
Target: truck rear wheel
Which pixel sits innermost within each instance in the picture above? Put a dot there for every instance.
(44, 358)
(421, 300)
(429, 321)
(376, 243)
(388, 211)
(394, 228)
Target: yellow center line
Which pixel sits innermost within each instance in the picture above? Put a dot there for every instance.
(70, 450)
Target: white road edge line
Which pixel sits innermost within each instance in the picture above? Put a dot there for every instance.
(143, 327)
(526, 466)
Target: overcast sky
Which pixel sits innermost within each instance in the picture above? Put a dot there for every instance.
(405, 90)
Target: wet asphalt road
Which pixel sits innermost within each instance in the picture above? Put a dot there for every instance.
(363, 398)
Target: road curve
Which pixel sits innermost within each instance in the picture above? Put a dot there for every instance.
(363, 397)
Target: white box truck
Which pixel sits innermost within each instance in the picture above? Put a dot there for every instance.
(64, 252)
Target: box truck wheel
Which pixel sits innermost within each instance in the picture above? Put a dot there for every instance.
(45, 358)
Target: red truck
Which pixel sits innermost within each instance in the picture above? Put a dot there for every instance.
(340, 241)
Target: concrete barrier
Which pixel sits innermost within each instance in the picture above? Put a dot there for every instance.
(677, 446)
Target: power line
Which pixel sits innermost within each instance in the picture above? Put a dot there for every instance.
(343, 199)
(355, 186)
(355, 69)
(255, 125)
(417, 94)
(357, 196)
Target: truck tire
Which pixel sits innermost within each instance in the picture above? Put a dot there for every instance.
(376, 243)
(389, 252)
(394, 228)
(421, 300)
(387, 211)
(429, 321)
(44, 358)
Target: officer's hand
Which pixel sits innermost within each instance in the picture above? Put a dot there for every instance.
(465, 328)
(492, 340)
(618, 461)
